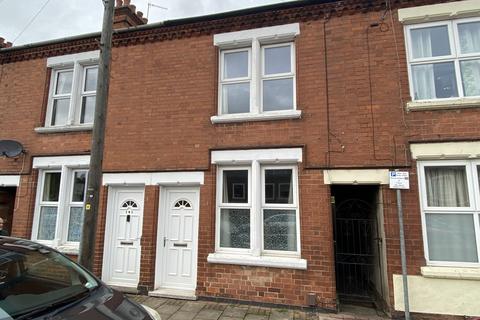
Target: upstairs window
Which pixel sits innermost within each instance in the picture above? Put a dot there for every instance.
(444, 59)
(257, 74)
(72, 90)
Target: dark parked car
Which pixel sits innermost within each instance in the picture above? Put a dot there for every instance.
(38, 282)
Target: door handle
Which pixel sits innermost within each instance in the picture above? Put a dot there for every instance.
(164, 241)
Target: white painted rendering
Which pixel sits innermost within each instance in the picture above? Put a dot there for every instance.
(123, 232)
(58, 162)
(9, 181)
(438, 296)
(442, 11)
(445, 150)
(357, 176)
(69, 59)
(177, 239)
(239, 38)
(185, 178)
(258, 261)
(273, 156)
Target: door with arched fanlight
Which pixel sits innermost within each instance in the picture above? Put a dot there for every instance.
(122, 236)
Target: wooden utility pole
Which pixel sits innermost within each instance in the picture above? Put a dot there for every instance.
(87, 245)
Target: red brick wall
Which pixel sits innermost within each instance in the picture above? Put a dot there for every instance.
(161, 99)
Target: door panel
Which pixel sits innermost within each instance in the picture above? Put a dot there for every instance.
(123, 235)
(179, 220)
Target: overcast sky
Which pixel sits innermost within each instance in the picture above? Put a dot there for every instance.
(63, 18)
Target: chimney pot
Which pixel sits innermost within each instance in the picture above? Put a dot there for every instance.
(126, 2)
(119, 3)
(145, 20)
(8, 45)
(140, 14)
(1, 40)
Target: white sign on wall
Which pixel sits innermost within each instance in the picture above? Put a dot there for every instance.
(399, 180)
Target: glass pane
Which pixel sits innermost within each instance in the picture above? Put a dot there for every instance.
(64, 82)
(278, 94)
(447, 186)
(278, 186)
(60, 111)
(471, 77)
(432, 81)
(47, 222)
(280, 230)
(236, 98)
(235, 186)
(75, 224)
(430, 42)
(235, 65)
(88, 109)
(235, 228)
(451, 237)
(79, 180)
(51, 186)
(91, 76)
(278, 60)
(469, 34)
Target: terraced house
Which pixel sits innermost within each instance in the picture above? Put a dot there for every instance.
(248, 153)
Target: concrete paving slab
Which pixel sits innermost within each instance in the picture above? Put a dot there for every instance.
(183, 315)
(208, 314)
(235, 311)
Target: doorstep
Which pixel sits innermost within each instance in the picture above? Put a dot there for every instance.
(173, 293)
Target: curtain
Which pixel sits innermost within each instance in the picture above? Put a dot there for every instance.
(469, 37)
(421, 43)
(447, 187)
(423, 82)
(471, 77)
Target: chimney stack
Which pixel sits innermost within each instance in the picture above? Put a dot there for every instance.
(4, 44)
(126, 16)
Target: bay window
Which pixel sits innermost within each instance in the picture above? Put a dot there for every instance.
(450, 201)
(444, 59)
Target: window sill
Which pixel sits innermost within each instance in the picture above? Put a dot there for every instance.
(244, 117)
(451, 273)
(69, 250)
(264, 261)
(443, 104)
(64, 129)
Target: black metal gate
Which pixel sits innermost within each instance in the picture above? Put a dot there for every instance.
(355, 249)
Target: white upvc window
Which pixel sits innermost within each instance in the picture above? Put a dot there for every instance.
(72, 93)
(257, 74)
(257, 210)
(450, 203)
(59, 211)
(444, 60)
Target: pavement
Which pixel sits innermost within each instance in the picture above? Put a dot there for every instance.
(172, 309)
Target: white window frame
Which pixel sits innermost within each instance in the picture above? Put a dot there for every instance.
(474, 209)
(223, 81)
(64, 203)
(221, 205)
(78, 63)
(256, 40)
(455, 57)
(256, 204)
(279, 76)
(285, 206)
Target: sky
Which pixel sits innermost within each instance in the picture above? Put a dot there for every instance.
(64, 18)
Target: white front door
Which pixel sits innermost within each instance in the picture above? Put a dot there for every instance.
(177, 240)
(121, 263)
